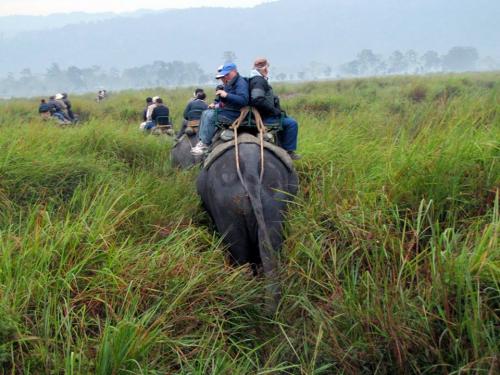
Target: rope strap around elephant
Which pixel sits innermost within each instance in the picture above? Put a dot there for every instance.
(260, 127)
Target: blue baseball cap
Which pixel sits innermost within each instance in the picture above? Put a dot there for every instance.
(225, 69)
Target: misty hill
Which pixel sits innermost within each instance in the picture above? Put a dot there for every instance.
(291, 32)
(12, 25)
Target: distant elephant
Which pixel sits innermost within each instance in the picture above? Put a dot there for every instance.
(181, 156)
(250, 215)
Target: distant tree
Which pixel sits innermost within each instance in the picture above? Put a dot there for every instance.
(368, 62)
(489, 63)
(460, 59)
(281, 76)
(397, 62)
(26, 73)
(411, 58)
(229, 57)
(54, 72)
(136, 77)
(93, 77)
(301, 75)
(351, 68)
(114, 73)
(319, 70)
(75, 78)
(431, 61)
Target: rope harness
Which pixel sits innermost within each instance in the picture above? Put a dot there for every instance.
(260, 127)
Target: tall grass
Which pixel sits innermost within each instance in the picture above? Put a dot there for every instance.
(391, 262)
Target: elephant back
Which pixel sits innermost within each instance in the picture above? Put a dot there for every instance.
(221, 148)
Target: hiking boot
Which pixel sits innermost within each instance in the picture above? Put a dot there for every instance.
(199, 149)
(293, 155)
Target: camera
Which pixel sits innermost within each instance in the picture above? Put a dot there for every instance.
(217, 97)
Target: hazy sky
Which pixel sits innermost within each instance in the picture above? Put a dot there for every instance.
(44, 7)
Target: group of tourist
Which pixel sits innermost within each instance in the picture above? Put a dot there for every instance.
(57, 107)
(156, 113)
(234, 93)
(101, 95)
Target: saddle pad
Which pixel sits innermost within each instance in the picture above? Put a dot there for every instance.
(248, 138)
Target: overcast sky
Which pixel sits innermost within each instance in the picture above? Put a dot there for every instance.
(44, 7)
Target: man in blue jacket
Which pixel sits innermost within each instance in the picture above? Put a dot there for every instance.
(233, 97)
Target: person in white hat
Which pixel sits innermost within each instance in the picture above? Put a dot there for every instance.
(63, 106)
(150, 123)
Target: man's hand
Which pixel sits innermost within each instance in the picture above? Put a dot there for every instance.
(221, 93)
(211, 105)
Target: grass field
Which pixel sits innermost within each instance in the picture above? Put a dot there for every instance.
(391, 263)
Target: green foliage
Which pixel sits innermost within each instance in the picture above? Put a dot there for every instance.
(390, 264)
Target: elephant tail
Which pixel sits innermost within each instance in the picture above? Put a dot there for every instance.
(267, 253)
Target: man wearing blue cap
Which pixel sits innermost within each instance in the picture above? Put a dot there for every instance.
(233, 97)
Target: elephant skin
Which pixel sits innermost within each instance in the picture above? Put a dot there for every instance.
(181, 156)
(250, 215)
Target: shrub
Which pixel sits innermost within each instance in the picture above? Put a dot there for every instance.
(417, 94)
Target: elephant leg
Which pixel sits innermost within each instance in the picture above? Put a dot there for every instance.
(241, 244)
(274, 214)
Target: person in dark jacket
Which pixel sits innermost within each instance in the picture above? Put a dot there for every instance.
(57, 110)
(263, 99)
(69, 111)
(193, 110)
(44, 107)
(233, 97)
(195, 107)
(161, 113)
(54, 105)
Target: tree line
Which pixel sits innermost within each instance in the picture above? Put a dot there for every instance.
(457, 59)
(179, 73)
(80, 80)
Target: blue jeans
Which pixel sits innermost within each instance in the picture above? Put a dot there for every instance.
(207, 126)
(149, 125)
(288, 136)
(59, 115)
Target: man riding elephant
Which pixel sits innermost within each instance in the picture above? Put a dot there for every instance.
(69, 108)
(263, 99)
(233, 97)
(193, 110)
(160, 114)
(57, 110)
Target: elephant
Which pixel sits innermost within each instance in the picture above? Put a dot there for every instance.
(249, 211)
(181, 156)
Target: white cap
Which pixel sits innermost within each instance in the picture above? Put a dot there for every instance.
(59, 96)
